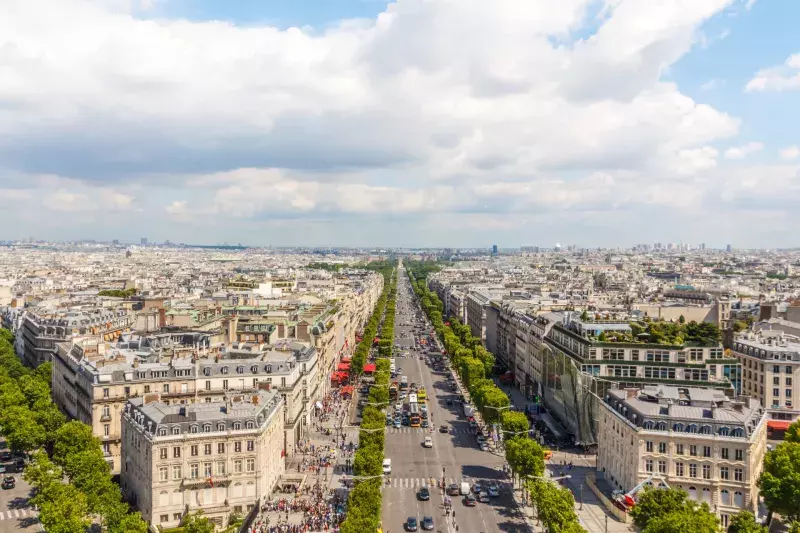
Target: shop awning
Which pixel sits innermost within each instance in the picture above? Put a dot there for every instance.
(346, 359)
(369, 368)
(344, 367)
(347, 390)
(779, 424)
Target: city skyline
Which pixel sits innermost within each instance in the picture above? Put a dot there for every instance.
(360, 122)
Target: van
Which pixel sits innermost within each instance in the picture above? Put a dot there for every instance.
(464, 488)
(387, 466)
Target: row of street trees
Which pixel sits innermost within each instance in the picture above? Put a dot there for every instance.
(780, 480)
(73, 488)
(555, 505)
(364, 502)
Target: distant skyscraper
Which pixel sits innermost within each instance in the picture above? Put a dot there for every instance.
(115, 241)
(729, 248)
(494, 249)
(144, 241)
(702, 246)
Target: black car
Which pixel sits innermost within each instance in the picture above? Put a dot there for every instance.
(424, 494)
(449, 401)
(427, 523)
(9, 482)
(5, 455)
(411, 523)
(444, 429)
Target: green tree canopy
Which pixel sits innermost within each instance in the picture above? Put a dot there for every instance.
(555, 506)
(653, 503)
(793, 433)
(692, 519)
(73, 437)
(745, 522)
(780, 480)
(197, 523)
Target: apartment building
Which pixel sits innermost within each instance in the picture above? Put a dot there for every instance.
(221, 457)
(770, 368)
(696, 439)
(92, 381)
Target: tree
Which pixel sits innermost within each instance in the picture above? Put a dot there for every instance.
(793, 433)
(525, 457)
(654, 503)
(681, 319)
(41, 472)
(693, 519)
(62, 509)
(514, 424)
(22, 431)
(49, 417)
(584, 316)
(555, 506)
(73, 437)
(745, 522)
(780, 480)
(197, 523)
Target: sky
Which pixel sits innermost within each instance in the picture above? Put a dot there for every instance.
(458, 123)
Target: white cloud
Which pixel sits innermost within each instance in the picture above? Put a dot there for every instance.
(740, 152)
(790, 152)
(434, 106)
(784, 77)
(750, 3)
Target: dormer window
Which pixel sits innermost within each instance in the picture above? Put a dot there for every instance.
(176, 430)
(724, 431)
(162, 432)
(738, 432)
(240, 370)
(193, 429)
(237, 426)
(250, 424)
(207, 371)
(705, 430)
(206, 428)
(224, 370)
(691, 428)
(268, 369)
(221, 426)
(254, 369)
(678, 427)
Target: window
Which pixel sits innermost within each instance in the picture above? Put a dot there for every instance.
(724, 453)
(738, 474)
(693, 450)
(723, 472)
(163, 473)
(251, 445)
(706, 471)
(679, 469)
(206, 428)
(220, 468)
(176, 452)
(225, 384)
(237, 446)
(162, 453)
(739, 455)
(251, 465)
(724, 431)
(776, 392)
(223, 370)
(649, 446)
(221, 447)
(706, 451)
(662, 467)
(776, 369)
(106, 410)
(207, 372)
(250, 424)
(788, 381)
(177, 517)
(776, 380)
(237, 466)
(725, 497)
(165, 388)
(193, 429)
(662, 447)
(679, 449)
(207, 469)
(176, 472)
(692, 470)
(165, 518)
(194, 450)
(648, 465)
(788, 393)
(221, 426)
(105, 393)
(176, 430)
(208, 385)
(194, 471)
(788, 369)
(147, 389)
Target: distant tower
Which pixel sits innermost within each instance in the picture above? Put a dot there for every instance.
(494, 249)
(558, 247)
(729, 248)
(143, 241)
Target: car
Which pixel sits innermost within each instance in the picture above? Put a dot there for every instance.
(473, 424)
(20, 463)
(424, 494)
(483, 497)
(494, 490)
(453, 489)
(484, 447)
(424, 422)
(387, 466)
(444, 429)
(5, 455)
(477, 488)
(427, 523)
(411, 523)
(449, 401)
(2, 469)
(481, 439)
(470, 501)
(428, 442)
(9, 482)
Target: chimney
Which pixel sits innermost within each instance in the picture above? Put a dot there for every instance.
(738, 406)
(233, 322)
(631, 393)
(162, 317)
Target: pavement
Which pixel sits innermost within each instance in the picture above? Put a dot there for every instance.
(16, 513)
(456, 452)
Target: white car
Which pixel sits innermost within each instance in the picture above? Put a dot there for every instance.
(387, 466)
(428, 442)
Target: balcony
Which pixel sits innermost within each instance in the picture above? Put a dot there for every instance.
(105, 418)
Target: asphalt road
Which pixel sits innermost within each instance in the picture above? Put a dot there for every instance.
(456, 451)
(16, 513)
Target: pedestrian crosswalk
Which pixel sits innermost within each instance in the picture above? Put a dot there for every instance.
(13, 514)
(417, 482)
(451, 431)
